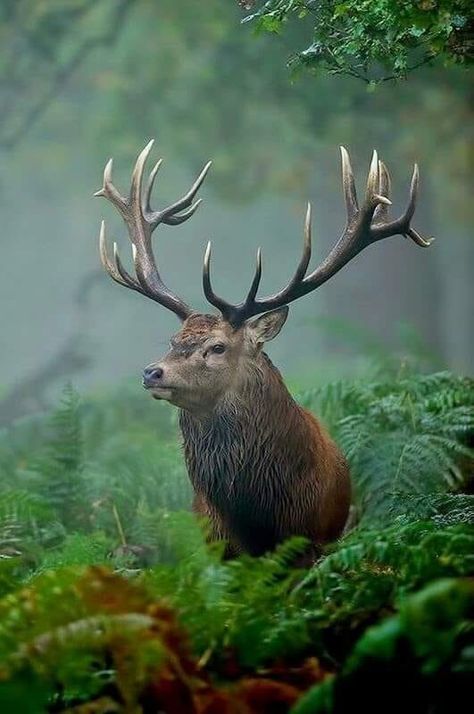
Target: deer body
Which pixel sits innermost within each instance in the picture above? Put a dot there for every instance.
(263, 469)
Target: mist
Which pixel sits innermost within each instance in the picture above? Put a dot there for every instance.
(274, 140)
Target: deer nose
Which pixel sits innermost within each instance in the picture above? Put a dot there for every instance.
(152, 375)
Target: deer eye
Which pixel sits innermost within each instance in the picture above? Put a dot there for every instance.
(218, 349)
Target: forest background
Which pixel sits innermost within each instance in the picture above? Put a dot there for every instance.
(81, 81)
(110, 599)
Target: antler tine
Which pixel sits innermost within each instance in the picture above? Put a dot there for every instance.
(255, 284)
(364, 226)
(176, 220)
(410, 210)
(414, 185)
(137, 178)
(150, 184)
(385, 183)
(109, 191)
(401, 225)
(168, 215)
(104, 257)
(373, 196)
(302, 266)
(307, 248)
(383, 195)
(418, 238)
(348, 184)
(222, 305)
(115, 269)
(126, 277)
(373, 177)
(141, 222)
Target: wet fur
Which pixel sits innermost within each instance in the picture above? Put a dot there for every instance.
(263, 468)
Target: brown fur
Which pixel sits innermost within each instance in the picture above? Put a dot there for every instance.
(263, 468)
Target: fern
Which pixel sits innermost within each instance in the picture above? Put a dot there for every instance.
(102, 574)
(245, 614)
(428, 643)
(413, 435)
(443, 509)
(22, 516)
(60, 468)
(76, 549)
(27, 528)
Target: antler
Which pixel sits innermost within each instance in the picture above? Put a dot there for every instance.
(141, 221)
(364, 226)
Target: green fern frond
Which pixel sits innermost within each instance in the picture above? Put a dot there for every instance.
(60, 467)
(413, 434)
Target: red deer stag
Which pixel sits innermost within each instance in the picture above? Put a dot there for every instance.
(262, 467)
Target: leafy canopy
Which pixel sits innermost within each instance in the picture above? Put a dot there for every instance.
(373, 40)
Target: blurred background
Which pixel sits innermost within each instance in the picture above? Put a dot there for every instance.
(81, 81)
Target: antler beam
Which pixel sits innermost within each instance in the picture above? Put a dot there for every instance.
(141, 221)
(364, 226)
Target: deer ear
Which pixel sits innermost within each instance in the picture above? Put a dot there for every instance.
(268, 325)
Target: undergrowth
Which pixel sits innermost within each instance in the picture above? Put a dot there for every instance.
(113, 602)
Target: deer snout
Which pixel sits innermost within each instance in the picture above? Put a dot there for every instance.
(152, 375)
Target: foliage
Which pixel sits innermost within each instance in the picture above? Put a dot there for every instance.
(178, 58)
(60, 468)
(408, 435)
(72, 632)
(359, 36)
(113, 600)
(428, 643)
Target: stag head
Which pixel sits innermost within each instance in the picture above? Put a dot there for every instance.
(213, 355)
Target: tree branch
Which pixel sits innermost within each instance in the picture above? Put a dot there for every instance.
(64, 74)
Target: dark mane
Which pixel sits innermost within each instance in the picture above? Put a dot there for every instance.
(247, 460)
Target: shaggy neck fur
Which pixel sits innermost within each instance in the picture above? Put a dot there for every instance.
(249, 448)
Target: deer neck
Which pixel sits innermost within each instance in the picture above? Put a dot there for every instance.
(253, 396)
(254, 420)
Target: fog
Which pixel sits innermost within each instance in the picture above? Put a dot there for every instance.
(61, 313)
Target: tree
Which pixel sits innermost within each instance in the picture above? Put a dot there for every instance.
(373, 40)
